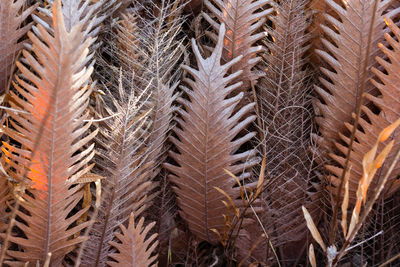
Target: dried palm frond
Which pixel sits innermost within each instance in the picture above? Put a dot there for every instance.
(153, 52)
(123, 162)
(207, 139)
(346, 53)
(12, 14)
(372, 161)
(150, 47)
(373, 123)
(242, 19)
(134, 248)
(49, 126)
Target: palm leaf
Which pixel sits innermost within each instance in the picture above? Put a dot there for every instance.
(207, 141)
(150, 47)
(373, 123)
(122, 159)
(346, 43)
(90, 13)
(286, 123)
(134, 248)
(50, 127)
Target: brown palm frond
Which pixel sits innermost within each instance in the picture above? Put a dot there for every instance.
(373, 123)
(207, 140)
(122, 159)
(11, 17)
(346, 54)
(49, 125)
(242, 19)
(134, 248)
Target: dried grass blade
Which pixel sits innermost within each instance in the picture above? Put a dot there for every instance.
(313, 229)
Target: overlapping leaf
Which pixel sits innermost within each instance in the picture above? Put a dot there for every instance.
(122, 161)
(286, 122)
(150, 47)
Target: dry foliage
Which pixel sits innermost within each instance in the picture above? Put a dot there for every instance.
(124, 145)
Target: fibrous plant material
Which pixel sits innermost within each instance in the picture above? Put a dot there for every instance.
(242, 19)
(151, 49)
(372, 123)
(122, 160)
(346, 45)
(54, 149)
(284, 97)
(207, 139)
(150, 46)
(134, 249)
(194, 6)
(12, 15)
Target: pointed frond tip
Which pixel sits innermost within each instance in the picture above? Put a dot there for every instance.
(134, 247)
(210, 133)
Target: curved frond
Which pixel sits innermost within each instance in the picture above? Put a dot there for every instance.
(208, 138)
